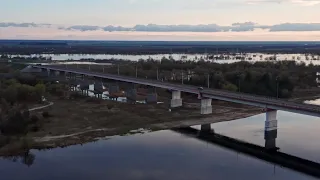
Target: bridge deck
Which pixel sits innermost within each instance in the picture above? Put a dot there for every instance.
(255, 100)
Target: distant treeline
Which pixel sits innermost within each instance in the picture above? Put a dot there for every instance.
(138, 48)
(42, 44)
(263, 78)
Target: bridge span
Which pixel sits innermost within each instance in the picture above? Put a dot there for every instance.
(206, 94)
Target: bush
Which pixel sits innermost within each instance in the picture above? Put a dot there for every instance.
(46, 114)
(34, 119)
(75, 95)
(35, 128)
(93, 100)
(110, 106)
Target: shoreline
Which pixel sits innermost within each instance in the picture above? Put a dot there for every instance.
(69, 126)
(54, 136)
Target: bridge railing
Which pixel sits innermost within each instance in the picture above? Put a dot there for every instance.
(194, 89)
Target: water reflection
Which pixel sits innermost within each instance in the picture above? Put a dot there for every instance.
(296, 134)
(156, 155)
(25, 158)
(270, 137)
(265, 153)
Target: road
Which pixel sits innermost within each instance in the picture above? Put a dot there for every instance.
(41, 107)
(236, 97)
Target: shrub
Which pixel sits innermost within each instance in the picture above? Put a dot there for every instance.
(46, 114)
(35, 128)
(110, 106)
(93, 100)
(75, 95)
(34, 119)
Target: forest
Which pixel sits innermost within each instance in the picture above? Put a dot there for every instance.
(276, 79)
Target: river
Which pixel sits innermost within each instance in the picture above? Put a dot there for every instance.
(170, 155)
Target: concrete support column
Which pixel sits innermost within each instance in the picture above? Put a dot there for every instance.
(206, 107)
(131, 95)
(98, 87)
(205, 128)
(152, 96)
(271, 122)
(271, 125)
(57, 73)
(74, 76)
(48, 71)
(113, 89)
(176, 100)
(270, 139)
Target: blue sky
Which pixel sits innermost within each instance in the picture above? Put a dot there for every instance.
(128, 13)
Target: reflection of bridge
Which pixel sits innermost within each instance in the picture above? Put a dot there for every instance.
(206, 95)
(264, 153)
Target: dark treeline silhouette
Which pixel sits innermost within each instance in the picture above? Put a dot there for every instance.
(26, 158)
(144, 47)
(275, 79)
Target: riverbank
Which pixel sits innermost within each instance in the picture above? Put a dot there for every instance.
(85, 120)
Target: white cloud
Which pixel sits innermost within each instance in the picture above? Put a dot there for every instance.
(298, 2)
(210, 28)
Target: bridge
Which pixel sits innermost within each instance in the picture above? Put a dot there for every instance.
(204, 94)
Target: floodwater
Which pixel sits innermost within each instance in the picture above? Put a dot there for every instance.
(194, 57)
(170, 155)
(152, 156)
(297, 134)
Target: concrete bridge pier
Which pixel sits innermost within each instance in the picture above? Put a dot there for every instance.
(113, 88)
(176, 100)
(131, 95)
(73, 76)
(206, 106)
(270, 139)
(152, 96)
(64, 74)
(271, 126)
(205, 128)
(271, 122)
(98, 89)
(56, 73)
(48, 72)
(84, 87)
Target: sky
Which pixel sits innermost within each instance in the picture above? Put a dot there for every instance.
(161, 19)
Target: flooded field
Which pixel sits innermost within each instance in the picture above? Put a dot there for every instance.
(220, 58)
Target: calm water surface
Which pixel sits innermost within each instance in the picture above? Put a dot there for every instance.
(298, 135)
(157, 155)
(170, 155)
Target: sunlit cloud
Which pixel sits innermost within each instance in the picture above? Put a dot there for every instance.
(299, 2)
(234, 27)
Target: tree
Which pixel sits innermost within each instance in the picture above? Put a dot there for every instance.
(229, 87)
(11, 94)
(40, 89)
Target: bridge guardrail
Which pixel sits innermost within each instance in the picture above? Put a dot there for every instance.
(193, 89)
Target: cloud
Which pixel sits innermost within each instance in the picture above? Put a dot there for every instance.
(235, 27)
(116, 28)
(18, 24)
(12, 24)
(296, 27)
(82, 28)
(180, 28)
(298, 2)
